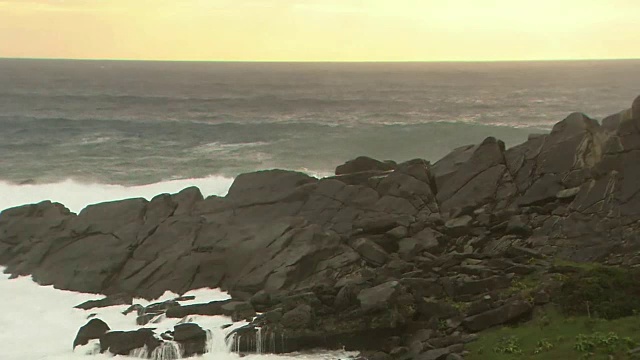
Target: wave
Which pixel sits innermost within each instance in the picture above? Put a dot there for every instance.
(46, 315)
(260, 101)
(373, 121)
(77, 195)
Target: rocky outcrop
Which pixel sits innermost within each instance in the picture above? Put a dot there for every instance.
(405, 259)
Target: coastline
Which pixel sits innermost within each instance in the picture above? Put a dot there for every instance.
(411, 259)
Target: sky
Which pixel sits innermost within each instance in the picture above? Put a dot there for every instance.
(320, 30)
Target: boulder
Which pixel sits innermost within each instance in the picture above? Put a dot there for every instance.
(448, 165)
(239, 310)
(459, 226)
(379, 297)
(94, 329)
(347, 297)
(568, 193)
(435, 354)
(635, 108)
(517, 225)
(192, 338)
(370, 251)
(267, 186)
(123, 342)
(298, 318)
(475, 181)
(364, 163)
(507, 313)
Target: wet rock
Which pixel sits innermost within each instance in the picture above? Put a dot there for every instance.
(94, 329)
(139, 309)
(113, 300)
(192, 338)
(239, 310)
(298, 318)
(145, 319)
(123, 342)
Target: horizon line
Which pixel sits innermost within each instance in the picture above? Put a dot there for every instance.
(321, 61)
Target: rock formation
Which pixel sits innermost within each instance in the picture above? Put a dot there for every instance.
(410, 258)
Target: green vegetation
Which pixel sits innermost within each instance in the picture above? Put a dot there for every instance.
(577, 265)
(595, 316)
(458, 305)
(551, 335)
(601, 292)
(524, 286)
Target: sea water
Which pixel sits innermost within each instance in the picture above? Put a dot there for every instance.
(40, 323)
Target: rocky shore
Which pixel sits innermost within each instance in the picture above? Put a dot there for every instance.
(396, 260)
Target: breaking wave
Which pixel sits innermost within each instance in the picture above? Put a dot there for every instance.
(77, 195)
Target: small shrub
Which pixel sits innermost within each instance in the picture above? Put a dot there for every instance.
(442, 325)
(508, 345)
(609, 343)
(523, 285)
(543, 346)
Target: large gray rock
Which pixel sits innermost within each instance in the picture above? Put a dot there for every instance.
(509, 312)
(435, 354)
(297, 318)
(370, 251)
(268, 186)
(474, 182)
(379, 297)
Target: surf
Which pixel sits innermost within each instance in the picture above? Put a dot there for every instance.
(77, 195)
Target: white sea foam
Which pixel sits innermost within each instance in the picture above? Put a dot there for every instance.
(75, 195)
(40, 323)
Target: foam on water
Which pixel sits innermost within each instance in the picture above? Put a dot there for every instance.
(75, 195)
(40, 323)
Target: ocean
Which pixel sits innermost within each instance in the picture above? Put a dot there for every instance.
(42, 325)
(87, 131)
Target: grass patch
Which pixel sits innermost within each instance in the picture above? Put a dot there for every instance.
(585, 266)
(551, 335)
(524, 286)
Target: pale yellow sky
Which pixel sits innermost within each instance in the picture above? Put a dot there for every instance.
(321, 30)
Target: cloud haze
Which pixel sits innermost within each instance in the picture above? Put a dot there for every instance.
(350, 30)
